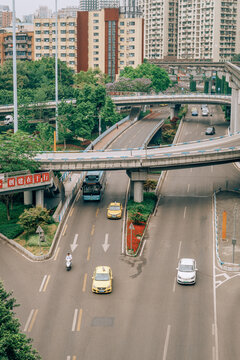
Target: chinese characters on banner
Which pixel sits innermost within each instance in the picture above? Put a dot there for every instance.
(26, 180)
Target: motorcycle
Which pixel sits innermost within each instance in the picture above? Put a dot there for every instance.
(68, 265)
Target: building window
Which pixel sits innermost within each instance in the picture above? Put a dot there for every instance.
(131, 31)
(63, 55)
(131, 54)
(38, 24)
(46, 24)
(71, 31)
(63, 24)
(63, 39)
(96, 15)
(121, 47)
(96, 59)
(38, 40)
(95, 27)
(72, 47)
(95, 46)
(131, 63)
(121, 62)
(96, 65)
(38, 32)
(38, 55)
(132, 39)
(72, 39)
(121, 31)
(132, 23)
(71, 62)
(46, 47)
(96, 53)
(121, 23)
(95, 40)
(71, 54)
(71, 24)
(46, 32)
(46, 40)
(63, 31)
(121, 39)
(95, 21)
(63, 47)
(131, 47)
(38, 47)
(121, 54)
(95, 34)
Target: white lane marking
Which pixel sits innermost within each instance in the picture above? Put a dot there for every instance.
(144, 242)
(166, 342)
(28, 320)
(174, 284)
(68, 357)
(191, 170)
(43, 282)
(188, 187)
(214, 289)
(184, 213)
(74, 319)
(179, 249)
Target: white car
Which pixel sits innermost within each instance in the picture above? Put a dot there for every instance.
(186, 271)
(205, 112)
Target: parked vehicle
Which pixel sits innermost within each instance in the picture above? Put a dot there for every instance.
(194, 112)
(205, 112)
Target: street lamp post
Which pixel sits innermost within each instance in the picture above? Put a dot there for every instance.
(56, 68)
(14, 70)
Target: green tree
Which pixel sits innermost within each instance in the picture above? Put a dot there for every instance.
(90, 77)
(13, 344)
(31, 218)
(236, 57)
(158, 76)
(108, 114)
(45, 135)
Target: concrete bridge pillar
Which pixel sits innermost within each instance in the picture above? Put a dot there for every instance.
(28, 197)
(235, 110)
(138, 191)
(40, 197)
(137, 177)
(131, 189)
(172, 111)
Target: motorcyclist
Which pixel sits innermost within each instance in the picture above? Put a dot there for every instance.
(69, 257)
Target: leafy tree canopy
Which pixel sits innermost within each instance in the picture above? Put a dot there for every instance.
(236, 57)
(17, 151)
(13, 344)
(158, 76)
(90, 77)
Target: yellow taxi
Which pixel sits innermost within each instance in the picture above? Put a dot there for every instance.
(102, 280)
(114, 210)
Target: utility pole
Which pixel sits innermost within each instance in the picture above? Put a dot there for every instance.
(56, 68)
(14, 70)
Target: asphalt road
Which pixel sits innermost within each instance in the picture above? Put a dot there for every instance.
(147, 316)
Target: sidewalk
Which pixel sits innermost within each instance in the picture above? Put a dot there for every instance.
(228, 201)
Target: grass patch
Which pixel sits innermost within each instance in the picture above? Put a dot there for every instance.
(31, 241)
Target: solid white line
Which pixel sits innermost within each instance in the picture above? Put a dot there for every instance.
(144, 242)
(74, 319)
(184, 214)
(42, 284)
(28, 320)
(68, 357)
(179, 249)
(174, 284)
(188, 187)
(166, 343)
(214, 289)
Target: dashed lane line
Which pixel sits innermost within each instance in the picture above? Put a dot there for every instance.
(56, 255)
(31, 320)
(84, 282)
(89, 253)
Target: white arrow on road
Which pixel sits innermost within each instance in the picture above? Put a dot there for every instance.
(106, 244)
(74, 245)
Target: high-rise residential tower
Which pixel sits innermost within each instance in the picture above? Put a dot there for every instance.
(5, 16)
(208, 29)
(160, 28)
(89, 5)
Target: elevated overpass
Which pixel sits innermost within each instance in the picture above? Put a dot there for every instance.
(137, 162)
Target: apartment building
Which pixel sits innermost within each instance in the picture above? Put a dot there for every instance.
(108, 41)
(24, 46)
(160, 28)
(5, 16)
(45, 39)
(89, 5)
(208, 29)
